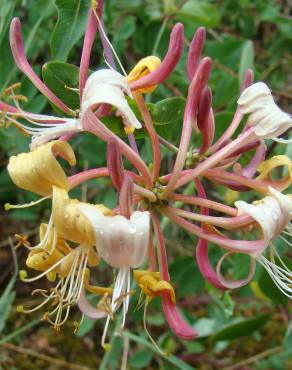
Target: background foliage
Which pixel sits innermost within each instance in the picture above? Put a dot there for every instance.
(245, 329)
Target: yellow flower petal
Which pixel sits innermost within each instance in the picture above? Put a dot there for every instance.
(151, 285)
(44, 258)
(38, 170)
(69, 221)
(143, 68)
(266, 167)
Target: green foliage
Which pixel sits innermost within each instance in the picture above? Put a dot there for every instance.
(72, 15)
(62, 78)
(6, 301)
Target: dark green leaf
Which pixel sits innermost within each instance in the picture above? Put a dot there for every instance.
(140, 359)
(61, 77)
(72, 15)
(171, 359)
(167, 111)
(241, 328)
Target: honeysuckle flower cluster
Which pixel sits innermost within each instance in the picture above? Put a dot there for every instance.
(129, 238)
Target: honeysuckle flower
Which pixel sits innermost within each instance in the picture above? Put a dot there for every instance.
(69, 267)
(273, 214)
(37, 171)
(123, 244)
(109, 87)
(269, 120)
(143, 68)
(58, 261)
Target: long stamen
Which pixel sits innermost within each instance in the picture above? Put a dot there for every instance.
(8, 206)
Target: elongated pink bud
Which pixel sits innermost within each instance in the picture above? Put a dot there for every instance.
(195, 51)
(89, 37)
(115, 163)
(247, 80)
(205, 119)
(248, 171)
(17, 49)
(202, 256)
(126, 198)
(171, 313)
(168, 64)
(179, 327)
(195, 89)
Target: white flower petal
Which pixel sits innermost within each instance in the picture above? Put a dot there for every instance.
(121, 242)
(273, 213)
(109, 87)
(269, 120)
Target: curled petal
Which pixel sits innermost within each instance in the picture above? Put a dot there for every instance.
(269, 120)
(234, 284)
(38, 171)
(195, 51)
(87, 309)
(265, 168)
(273, 213)
(143, 68)
(168, 64)
(204, 265)
(174, 319)
(22, 63)
(108, 87)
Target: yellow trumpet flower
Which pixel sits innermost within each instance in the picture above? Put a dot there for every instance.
(69, 266)
(142, 68)
(37, 171)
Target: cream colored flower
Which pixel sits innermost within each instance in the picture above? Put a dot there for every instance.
(269, 120)
(273, 214)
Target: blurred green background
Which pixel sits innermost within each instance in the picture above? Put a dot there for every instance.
(245, 329)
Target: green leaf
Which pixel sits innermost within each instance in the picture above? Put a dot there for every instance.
(6, 12)
(6, 301)
(246, 59)
(268, 287)
(171, 359)
(241, 328)
(204, 13)
(167, 111)
(60, 77)
(140, 359)
(70, 27)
